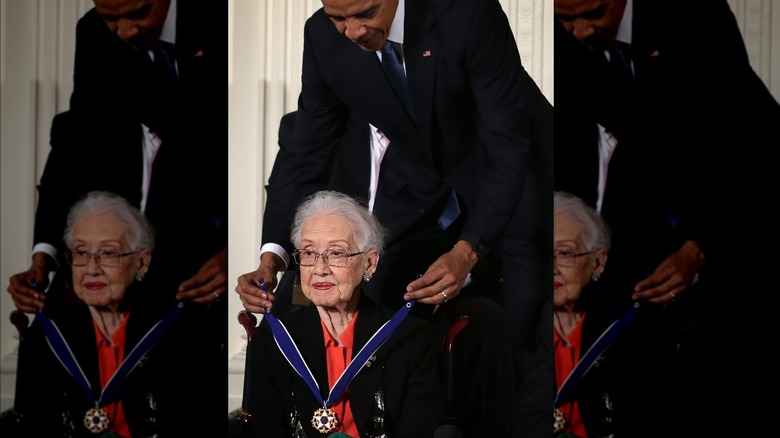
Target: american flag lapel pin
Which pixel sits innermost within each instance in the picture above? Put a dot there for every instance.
(199, 53)
(426, 53)
(654, 54)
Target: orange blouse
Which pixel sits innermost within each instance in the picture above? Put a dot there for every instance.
(566, 358)
(338, 358)
(109, 359)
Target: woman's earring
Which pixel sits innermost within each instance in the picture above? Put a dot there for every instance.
(367, 277)
(139, 277)
(595, 277)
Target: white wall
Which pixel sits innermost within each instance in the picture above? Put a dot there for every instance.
(37, 39)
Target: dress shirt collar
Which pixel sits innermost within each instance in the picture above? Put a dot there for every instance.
(396, 34)
(168, 32)
(624, 31)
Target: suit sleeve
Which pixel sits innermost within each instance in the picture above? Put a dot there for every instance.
(511, 116)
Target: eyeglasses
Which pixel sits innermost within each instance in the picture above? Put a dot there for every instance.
(566, 257)
(105, 257)
(332, 257)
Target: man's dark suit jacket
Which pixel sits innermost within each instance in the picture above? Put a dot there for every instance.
(694, 130)
(693, 89)
(97, 145)
(476, 111)
(481, 127)
(405, 369)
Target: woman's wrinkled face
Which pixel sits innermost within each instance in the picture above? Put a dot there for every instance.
(333, 286)
(98, 285)
(568, 244)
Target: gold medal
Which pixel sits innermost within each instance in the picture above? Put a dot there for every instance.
(324, 420)
(96, 420)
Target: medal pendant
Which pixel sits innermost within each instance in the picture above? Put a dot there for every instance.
(324, 420)
(560, 421)
(96, 420)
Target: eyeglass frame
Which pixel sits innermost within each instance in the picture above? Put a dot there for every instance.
(96, 256)
(297, 257)
(573, 257)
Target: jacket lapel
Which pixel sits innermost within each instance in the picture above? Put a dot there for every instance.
(368, 380)
(308, 337)
(421, 47)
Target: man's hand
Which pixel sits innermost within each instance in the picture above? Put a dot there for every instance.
(26, 288)
(672, 277)
(209, 283)
(444, 278)
(252, 297)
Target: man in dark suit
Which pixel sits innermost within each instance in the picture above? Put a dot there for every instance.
(468, 132)
(148, 121)
(644, 89)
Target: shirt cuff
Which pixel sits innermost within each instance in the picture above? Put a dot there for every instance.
(278, 250)
(46, 249)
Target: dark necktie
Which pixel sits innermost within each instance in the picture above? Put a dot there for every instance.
(162, 89)
(392, 61)
(620, 57)
(621, 90)
(165, 60)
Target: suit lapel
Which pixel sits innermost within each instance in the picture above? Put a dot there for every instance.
(308, 337)
(360, 80)
(421, 49)
(191, 46)
(367, 381)
(647, 47)
(78, 330)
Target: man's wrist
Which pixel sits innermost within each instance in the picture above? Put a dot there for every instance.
(464, 249)
(272, 262)
(44, 262)
(277, 250)
(478, 246)
(693, 250)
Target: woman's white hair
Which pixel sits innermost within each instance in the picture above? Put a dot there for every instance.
(369, 233)
(139, 232)
(596, 231)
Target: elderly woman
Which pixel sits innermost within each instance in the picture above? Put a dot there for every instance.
(580, 244)
(389, 390)
(91, 367)
(629, 388)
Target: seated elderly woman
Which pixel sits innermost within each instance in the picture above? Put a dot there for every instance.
(580, 244)
(90, 366)
(629, 387)
(296, 373)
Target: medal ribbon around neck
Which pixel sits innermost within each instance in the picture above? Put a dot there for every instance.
(295, 359)
(59, 346)
(594, 352)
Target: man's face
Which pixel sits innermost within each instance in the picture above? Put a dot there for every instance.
(136, 22)
(593, 22)
(365, 22)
